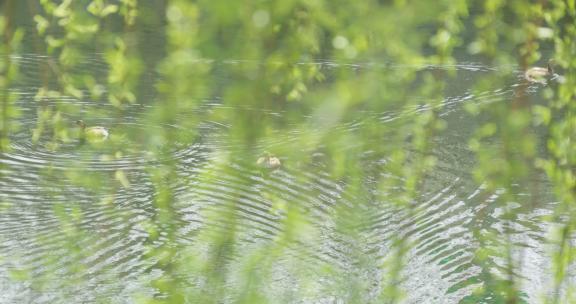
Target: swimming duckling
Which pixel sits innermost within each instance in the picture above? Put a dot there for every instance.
(269, 161)
(92, 133)
(540, 75)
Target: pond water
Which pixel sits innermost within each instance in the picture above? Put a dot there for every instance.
(75, 218)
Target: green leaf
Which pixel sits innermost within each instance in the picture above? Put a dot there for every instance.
(41, 24)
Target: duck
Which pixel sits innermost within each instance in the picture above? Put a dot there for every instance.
(269, 161)
(539, 74)
(96, 133)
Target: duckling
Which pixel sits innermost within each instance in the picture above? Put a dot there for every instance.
(269, 161)
(539, 74)
(93, 133)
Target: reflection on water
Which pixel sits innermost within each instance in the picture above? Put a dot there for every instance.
(55, 231)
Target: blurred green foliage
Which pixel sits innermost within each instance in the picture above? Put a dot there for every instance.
(288, 39)
(10, 40)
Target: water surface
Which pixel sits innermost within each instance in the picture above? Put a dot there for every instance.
(75, 218)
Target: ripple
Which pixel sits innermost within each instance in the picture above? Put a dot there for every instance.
(109, 156)
(61, 232)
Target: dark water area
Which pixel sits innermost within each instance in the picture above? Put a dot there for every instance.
(75, 218)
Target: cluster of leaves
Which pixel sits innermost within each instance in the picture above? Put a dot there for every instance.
(508, 146)
(70, 30)
(9, 44)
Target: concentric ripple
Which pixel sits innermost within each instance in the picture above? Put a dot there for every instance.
(56, 231)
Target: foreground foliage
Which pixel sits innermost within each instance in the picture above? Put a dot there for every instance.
(279, 50)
